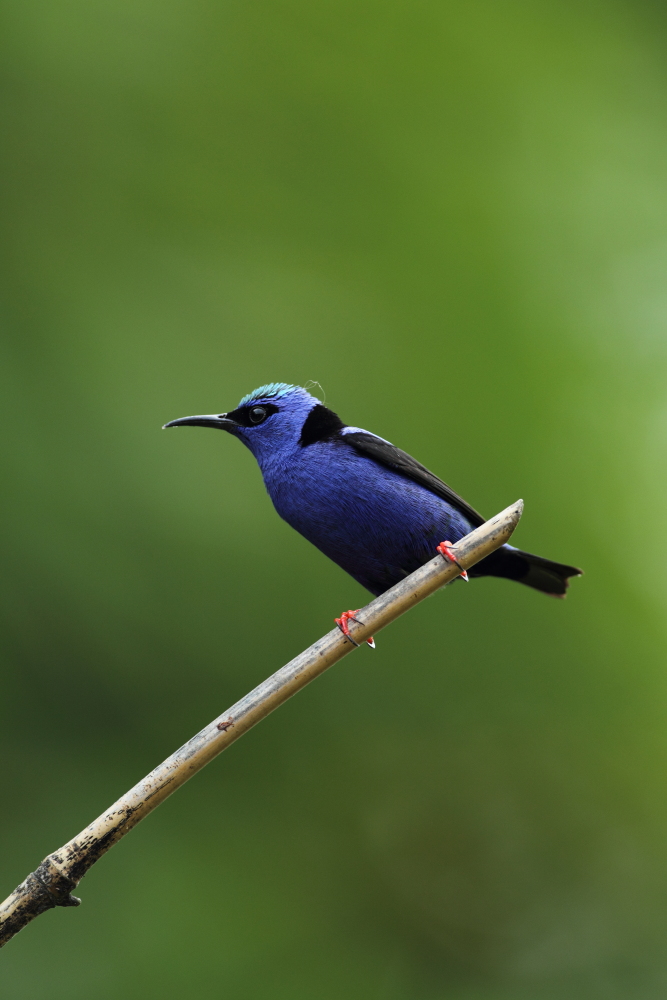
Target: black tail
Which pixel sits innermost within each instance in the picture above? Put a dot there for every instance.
(541, 574)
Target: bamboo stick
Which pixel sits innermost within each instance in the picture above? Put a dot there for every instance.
(51, 884)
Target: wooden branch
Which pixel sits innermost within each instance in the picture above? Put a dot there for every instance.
(51, 884)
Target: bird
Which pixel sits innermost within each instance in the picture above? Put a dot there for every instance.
(366, 504)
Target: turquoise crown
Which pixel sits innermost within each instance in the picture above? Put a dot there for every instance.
(274, 390)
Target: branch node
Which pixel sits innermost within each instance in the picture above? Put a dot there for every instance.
(58, 886)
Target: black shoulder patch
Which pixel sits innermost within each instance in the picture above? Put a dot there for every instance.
(319, 425)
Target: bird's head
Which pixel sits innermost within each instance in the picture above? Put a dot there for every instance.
(274, 418)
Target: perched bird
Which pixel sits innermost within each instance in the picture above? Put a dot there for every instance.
(366, 504)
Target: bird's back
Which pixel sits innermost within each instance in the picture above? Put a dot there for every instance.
(376, 524)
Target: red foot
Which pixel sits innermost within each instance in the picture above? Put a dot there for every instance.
(445, 549)
(348, 616)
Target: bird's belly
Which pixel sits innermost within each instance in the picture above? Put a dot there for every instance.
(379, 527)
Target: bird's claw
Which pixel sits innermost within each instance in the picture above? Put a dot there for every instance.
(446, 550)
(348, 616)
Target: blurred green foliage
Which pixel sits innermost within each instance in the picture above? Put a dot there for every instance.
(454, 216)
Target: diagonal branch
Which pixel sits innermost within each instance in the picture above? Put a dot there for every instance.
(51, 884)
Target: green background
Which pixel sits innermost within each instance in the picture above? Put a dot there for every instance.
(454, 217)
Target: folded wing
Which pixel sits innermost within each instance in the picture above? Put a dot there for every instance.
(399, 461)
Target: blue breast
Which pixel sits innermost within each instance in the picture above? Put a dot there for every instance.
(377, 525)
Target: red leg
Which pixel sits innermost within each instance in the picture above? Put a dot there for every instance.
(348, 616)
(445, 549)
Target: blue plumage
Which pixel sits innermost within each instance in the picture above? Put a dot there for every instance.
(367, 505)
(373, 522)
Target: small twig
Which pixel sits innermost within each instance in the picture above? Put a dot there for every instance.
(52, 883)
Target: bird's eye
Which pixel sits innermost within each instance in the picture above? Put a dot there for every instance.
(257, 414)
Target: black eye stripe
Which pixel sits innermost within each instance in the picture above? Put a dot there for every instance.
(243, 414)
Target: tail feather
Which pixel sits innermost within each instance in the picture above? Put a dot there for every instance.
(540, 574)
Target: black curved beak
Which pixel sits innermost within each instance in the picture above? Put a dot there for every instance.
(219, 420)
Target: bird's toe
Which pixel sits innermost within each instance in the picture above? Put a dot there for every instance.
(446, 550)
(342, 623)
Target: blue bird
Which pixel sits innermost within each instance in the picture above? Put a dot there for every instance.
(363, 502)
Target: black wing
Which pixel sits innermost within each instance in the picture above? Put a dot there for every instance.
(399, 461)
